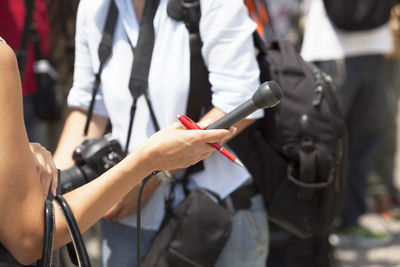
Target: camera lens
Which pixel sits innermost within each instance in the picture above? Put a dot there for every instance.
(70, 179)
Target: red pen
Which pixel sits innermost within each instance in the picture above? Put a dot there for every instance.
(193, 126)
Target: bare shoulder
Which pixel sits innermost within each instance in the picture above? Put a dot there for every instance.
(10, 83)
(7, 57)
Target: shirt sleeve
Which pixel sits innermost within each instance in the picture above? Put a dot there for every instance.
(228, 50)
(80, 94)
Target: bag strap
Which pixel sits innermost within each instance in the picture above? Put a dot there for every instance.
(290, 61)
(26, 36)
(104, 53)
(142, 54)
(77, 241)
(78, 255)
(200, 86)
(189, 12)
(48, 238)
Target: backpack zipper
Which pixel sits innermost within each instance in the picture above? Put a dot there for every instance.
(318, 92)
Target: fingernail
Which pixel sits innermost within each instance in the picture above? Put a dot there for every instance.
(204, 123)
(53, 192)
(233, 129)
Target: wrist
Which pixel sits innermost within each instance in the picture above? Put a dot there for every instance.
(144, 160)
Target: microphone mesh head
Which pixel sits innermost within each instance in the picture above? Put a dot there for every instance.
(268, 94)
(276, 89)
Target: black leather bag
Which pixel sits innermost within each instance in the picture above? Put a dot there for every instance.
(194, 234)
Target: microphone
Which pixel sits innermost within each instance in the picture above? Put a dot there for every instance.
(268, 95)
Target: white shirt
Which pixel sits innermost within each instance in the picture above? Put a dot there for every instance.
(322, 41)
(226, 32)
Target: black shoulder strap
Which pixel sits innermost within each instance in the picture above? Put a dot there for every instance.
(104, 52)
(200, 88)
(142, 54)
(189, 12)
(26, 35)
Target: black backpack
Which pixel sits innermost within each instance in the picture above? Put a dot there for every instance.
(358, 15)
(297, 152)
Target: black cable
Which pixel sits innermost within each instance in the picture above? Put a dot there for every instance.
(139, 205)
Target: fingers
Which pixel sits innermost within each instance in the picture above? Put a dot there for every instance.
(177, 126)
(45, 167)
(215, 136)
(54, 180)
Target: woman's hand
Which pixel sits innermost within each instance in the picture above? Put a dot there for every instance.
(45, 168)
(176, 147)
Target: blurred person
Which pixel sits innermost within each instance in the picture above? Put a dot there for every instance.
(382, 186)
(28, 174)
(12, 23)
(355, 61)
(228, 51)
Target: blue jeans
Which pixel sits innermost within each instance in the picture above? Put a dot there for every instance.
(247, 245)
(249, 242)
(118, 245)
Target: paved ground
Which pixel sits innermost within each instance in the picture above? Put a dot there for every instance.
(384, 256)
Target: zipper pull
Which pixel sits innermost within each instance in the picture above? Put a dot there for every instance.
(319, 90)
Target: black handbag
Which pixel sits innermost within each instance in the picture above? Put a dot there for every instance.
(193, 234)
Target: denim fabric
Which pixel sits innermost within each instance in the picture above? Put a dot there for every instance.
(119, 244)
(248, 243)
(247, 246)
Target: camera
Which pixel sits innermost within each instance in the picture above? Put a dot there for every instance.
(92, 158)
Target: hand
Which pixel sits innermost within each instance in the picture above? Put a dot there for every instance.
(45, 168)
(175, 147)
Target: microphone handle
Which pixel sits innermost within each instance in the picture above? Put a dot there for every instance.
(234, 116)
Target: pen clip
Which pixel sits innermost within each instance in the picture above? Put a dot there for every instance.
(188, 122)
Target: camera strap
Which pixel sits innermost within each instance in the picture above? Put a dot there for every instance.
(142, 54)
(138, 83)
(104, 52)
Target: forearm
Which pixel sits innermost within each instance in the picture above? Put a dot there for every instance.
(88, 203)
(91, 201)
(22, 202)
